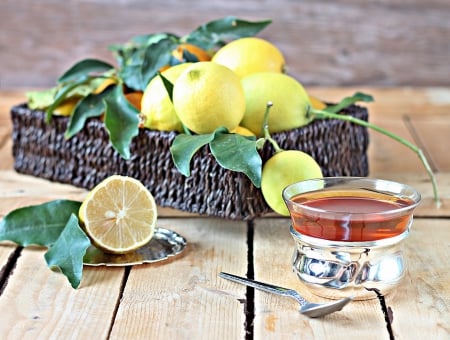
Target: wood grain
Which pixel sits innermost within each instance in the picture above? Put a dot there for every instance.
(49, 307)
(427, 277)
(185, 298)
(345, 42)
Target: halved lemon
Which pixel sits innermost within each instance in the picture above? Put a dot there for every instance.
(119, 215)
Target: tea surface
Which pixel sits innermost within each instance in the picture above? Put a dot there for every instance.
(353, 215)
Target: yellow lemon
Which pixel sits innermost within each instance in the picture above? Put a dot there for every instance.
(179, 54)
(243, 131)
(66, 107)
(207, 96)
(283, 169)
(119, 215)
(156, 107)
(289, 98)
(316, 103)
(250, 55)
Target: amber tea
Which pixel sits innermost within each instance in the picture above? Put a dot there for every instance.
(352, 215)
(350, 209)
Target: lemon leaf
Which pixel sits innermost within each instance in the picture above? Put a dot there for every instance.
(238, 153)
(90, 106)
(37, 224)
(67, 253)
(156, 56)
(347, 101)
(184, 147)
(121, 121)
(217, 33)
(167, 84)
(85, 68)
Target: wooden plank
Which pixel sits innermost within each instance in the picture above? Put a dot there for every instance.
(339, 42)
(278, 317)
(185, 298)
(427, 278)
(18, 190)
(393, 102)
(434, 134)
(39, 303)
(422, 304)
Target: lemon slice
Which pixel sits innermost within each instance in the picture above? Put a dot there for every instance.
(119, 215)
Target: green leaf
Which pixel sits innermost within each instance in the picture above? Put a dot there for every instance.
(184, 148)
(90, 106)
(67, 253)
(357, 97)
(121, 121)
(238, 153)
(40, 100)
(156, 56)
(62, 94)
(167, 84)
(38, 224)
(85, 68)
(217, 33)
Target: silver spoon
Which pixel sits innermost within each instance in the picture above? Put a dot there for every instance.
(313, 310)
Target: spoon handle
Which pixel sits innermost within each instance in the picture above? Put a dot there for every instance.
(266, 287)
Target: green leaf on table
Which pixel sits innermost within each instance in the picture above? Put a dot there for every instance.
(92, 105)
(85, 68)
(184, 147)
(38, 224)
(121, 121)
(217, 33)
(238, 153)
(347, 101)
(67, 253)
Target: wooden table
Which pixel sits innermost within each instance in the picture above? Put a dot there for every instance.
(183, 298)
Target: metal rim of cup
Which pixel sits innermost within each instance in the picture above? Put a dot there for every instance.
(313, 185)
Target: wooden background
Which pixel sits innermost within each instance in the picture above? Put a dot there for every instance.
(326, 43)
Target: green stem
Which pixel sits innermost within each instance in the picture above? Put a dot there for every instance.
(266, 132)
(414, 148)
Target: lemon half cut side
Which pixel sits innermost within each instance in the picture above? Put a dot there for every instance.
(119, 215)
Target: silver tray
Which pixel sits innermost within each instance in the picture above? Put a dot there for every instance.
(164, 244)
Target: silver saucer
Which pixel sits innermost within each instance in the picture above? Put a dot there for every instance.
(164, 244)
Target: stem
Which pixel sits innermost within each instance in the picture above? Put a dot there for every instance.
(266, 132)
(414, 148)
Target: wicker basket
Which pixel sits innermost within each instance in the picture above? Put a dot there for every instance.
(40, 149)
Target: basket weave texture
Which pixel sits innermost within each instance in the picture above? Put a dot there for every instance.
(40, 149)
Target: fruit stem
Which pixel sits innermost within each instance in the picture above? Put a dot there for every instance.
(315, 113)
(266, 132)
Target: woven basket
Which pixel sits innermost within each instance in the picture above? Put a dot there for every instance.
(40, 149)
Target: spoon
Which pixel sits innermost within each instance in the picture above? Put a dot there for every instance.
(312, 310)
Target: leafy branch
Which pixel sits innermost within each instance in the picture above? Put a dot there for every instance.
(330, 112)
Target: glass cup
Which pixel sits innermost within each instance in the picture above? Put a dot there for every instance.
(348, 233)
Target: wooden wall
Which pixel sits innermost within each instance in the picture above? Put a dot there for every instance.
(342, 42)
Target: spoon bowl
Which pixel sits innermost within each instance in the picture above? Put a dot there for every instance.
(312, 310)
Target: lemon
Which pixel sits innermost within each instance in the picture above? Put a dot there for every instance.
(283, 169)
(289, 98)
(119, 215)
(66, 107)
(195, 52)
(316, 103)
(243, 131)
(156, 107)
(207, 96)
(250, 55)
